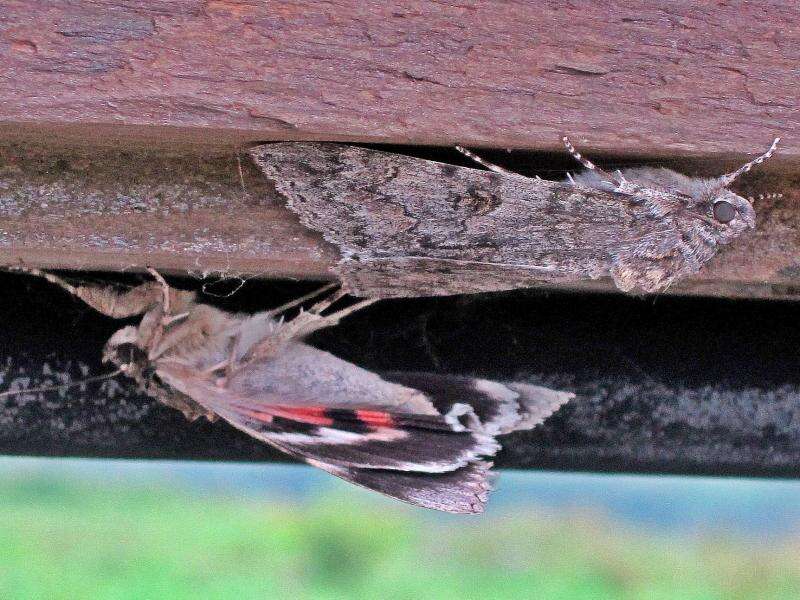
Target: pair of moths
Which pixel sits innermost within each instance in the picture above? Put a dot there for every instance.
(408, 227)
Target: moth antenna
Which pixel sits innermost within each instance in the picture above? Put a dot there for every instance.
(762, 197)
(571, 180)
(589, 164)
(577, 155)
(729, 178)
(62, 386)
(486, 163)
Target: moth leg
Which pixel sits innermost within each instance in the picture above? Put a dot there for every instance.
(297, 301)
(309, 321)
(304, 324)
(164, 289)
(314, 314)
(168, 320)
(486, 163)
(229, 363)
(323, 305)
(165, 317)
(174, 399)
(104, 298)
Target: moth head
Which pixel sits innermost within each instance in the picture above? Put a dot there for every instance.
(728, 212)
(123, 349)
(719, 211)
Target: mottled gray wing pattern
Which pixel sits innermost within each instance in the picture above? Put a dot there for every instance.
(402, 232)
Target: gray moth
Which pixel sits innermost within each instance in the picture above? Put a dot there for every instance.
(411, 227)
(424, 438)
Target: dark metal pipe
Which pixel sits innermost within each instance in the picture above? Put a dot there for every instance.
(678, 385)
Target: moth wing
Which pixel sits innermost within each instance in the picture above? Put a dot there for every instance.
(433, 468)
(381, 206)
(322, 182)
(409, 227)
(655, 265)
(464, 490)
(404, 470)
(426, 460)
(500, 408)
(340, 437)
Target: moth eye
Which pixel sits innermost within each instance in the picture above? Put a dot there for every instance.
(724, 212)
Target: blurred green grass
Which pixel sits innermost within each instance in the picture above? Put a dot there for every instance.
(67, 539)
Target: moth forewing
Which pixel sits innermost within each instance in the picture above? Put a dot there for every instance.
(411, 227)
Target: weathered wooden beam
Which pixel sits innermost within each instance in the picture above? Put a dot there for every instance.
(681, 385)
(649, 77)
(120, 211)
(124, 211)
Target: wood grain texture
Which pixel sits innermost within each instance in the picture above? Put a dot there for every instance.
(126, 211)
(645, 77)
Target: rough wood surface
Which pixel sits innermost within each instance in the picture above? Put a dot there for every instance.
(199, 214)
(644, 77)
(126, 211)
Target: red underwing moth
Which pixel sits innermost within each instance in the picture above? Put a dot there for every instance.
(423, 438)
(412, 227)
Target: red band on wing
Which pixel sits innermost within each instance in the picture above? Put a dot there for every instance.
(313, 415)
(317, 415)
(258, 415)
(375, 418)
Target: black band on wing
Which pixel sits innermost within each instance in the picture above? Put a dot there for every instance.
(491, 401)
